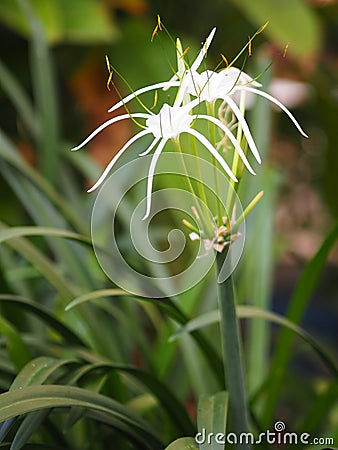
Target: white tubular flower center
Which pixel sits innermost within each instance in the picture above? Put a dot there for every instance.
(169, 122)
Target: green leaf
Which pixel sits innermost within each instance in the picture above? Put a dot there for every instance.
(44, 95)
(13, 232)
(231, 345)
(290, 22)
(34, 373)
(28, 427)
(19, 99)
(44, 314)
(185, 443)
(78, 21)
(318, 413)
(298, 303)
(172, 310)
(16, 347)
(10, 155)
(212, 419)
(87, 21)
(99, 407)
(37, 371)
(249, 312)
(94, 296)
(35, 447)
(44, 265)
(167, 399)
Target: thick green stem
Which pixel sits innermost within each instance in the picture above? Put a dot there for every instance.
(232, 355)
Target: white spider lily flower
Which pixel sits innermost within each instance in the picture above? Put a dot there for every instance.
(210, 86)
(176, 80)
(169, 123)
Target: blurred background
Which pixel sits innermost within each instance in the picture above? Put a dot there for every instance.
(54, 51)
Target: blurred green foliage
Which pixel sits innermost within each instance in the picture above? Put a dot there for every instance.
(75, 21)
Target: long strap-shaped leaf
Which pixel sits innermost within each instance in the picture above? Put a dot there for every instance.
(44, 314)
(170, 307)
(13, 232)
(99, 407)
(250, 312)
(298, 303)
(165, 396)
(9, 154)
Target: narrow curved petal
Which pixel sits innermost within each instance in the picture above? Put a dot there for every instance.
(276, 102)
(232, 139)
(151, 146)
(107, 123)
(169, 83)
(213, 151)
(244, 126)
(163, 84)
(151, 171)
(116, 157)
(191, 72)
(203, 52)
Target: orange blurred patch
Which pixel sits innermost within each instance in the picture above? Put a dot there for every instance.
(89, 88)
(137, 7)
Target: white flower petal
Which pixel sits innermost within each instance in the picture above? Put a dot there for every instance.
(244, 126)
(203, 52)
(116, 157)
(163, 84)
(213, 151)
(278, 103)
(151, 171)
(152, 145)
(239, 77)
(231, 137)
(170, 121)
(106, 124)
